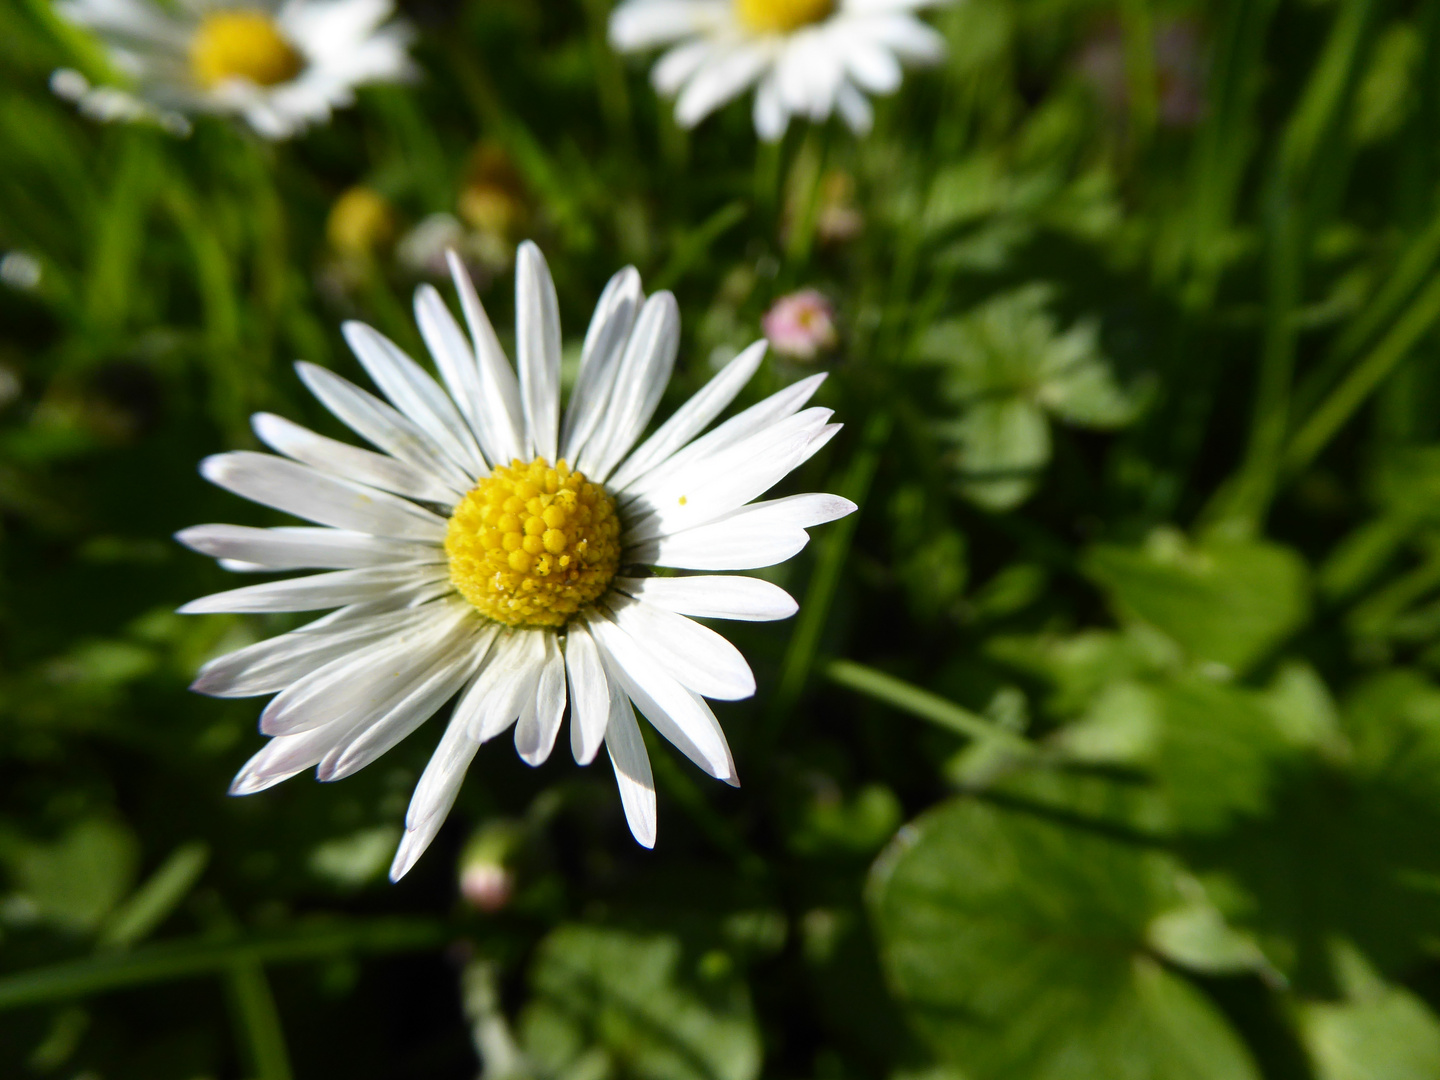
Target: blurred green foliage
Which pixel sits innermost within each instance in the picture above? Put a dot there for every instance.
(1138, 626)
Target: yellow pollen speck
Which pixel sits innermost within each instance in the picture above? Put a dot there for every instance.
(684, 499)
(781, 16)
(533, 544)
(241, 44)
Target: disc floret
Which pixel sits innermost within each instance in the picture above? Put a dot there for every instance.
(241, 44)
(782, 16)
(533, 544)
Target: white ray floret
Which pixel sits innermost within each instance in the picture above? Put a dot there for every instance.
(280, 65)
(805, 58)
(465, 562)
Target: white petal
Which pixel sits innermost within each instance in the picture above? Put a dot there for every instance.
(676, 67)
(627, 752)
(499, 392)
(855, 108)
(540, 723)
(434, 796)
(762, 415)
(721, 79)
(907, 36)
(318, 591)
(359, 686)
(696, 656)
(283, 757)
(508, 682)
(454, 358)
(871, 65)
(446, 675)
(319, 497)
(725, 481)
(537, 343)
(610, 328)
(271, 665)
(304, 548)
(692, 417)
(770, 115)
(640, 382)
(589, 693)
(680, 716)
(411, 390)
(379, 424)
(642, 24)
(351, 462)
(761, 534)
(713, 596)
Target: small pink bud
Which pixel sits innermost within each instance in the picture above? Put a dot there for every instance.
(801, 325)
(486, 886)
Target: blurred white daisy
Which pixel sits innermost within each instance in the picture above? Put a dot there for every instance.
(278, 65)
(494, 547)
(808, 57)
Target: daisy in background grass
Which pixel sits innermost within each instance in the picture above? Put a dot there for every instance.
(495, 549)
(280, 66)
(808, 57)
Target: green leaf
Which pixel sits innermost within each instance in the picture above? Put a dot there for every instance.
(1003, 446)
(1223, 600)
(1018, 946)
(653, 1007)
(76, 881)
(1379, 1032)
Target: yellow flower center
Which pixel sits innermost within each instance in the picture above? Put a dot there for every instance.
(240, 44)
(781, 16)
(533, 544)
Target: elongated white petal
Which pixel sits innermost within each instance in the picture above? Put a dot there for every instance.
(273, 664)
(589, 693)
(870, 64)
(764, 414)
(411, 390)
(694, 655)
(640, 24)
(537, 344)
(722, 78)
(713, 596)
(641, 380)
(455, 360)
(351, 462)
(446, 674)
(761, 534)
(318, 591)
(712, 488)
(383, 426)
(508, 682)
(358, 686)
(679, 64)
(434, 795)
(504, 426)
(627, 752)
(769, 112)
(304, 548)
(540, 723)
(855, 108)
(680, 716)
(907, 36)
(328, 500)
(600, 359)
(692, 417)
(283, 757)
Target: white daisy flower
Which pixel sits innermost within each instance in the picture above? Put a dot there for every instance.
(809, 57)
(520, 586)
(280, 65)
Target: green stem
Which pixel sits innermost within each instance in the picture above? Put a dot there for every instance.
(917, 702)
(1346, 398)
(194, 957)
(259, 1021)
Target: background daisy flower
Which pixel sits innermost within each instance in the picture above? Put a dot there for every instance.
(807, 58)
(280, 66)
(521, 587)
